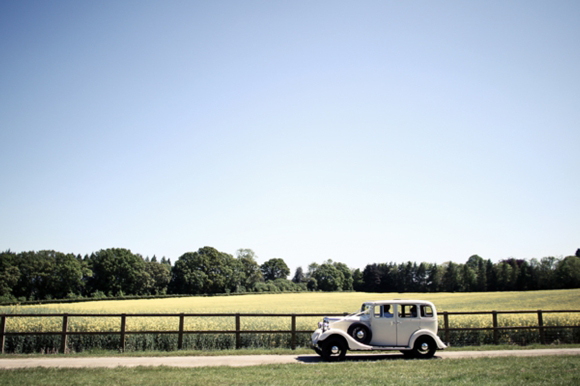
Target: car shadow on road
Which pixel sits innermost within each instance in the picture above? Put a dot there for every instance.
(360, 358)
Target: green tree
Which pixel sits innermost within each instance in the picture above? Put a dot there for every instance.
(328, 277)
(251, 273)
(206, 271)
(404, 277)
(347, 281)
(491, 275)
(474, 261)
(160, 274)
(450, 280)
(515, 273)
(434, 278)
(420, 279)
(481, 276)
(504, 275)
(524, 278)
(312, 284)
(67, 276)
(468, 278)
(372, 278)
(358, 280)
(298, 276)
(285, 285)
(35, 275)
(568, 272)
(275, 269)
(9, 274)
(546, 272)
(118, 271)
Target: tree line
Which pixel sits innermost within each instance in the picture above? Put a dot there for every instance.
(476, 275)
(119, 272)
(115, 272)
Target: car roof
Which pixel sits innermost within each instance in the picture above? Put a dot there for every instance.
(401, 301)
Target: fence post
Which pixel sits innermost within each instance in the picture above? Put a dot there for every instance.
(238, 345)
(541, 326)
(2, 331)
(63, 341)
(123, 324)
(293, 343)
(446, 325)
(180, 336)
(495, 330)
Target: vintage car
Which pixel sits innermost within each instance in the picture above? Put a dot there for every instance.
(409, 326)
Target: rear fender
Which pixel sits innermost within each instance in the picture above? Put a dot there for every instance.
(419, 333)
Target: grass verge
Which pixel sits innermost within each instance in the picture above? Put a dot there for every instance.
(562, 370)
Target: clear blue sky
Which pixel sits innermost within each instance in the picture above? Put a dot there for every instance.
(360, 132)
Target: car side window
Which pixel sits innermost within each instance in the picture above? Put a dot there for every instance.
(388, 311)
(426, 312)
(408, 311)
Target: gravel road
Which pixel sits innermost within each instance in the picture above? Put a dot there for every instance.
(253, 360)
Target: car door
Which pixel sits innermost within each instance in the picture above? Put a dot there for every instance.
(384, 325)
(407, 323)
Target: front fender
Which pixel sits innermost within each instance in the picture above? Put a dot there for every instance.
(319, 337)
(419, 333)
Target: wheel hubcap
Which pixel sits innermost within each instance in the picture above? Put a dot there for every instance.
(360, 334)
(424, 347)
(334, 350)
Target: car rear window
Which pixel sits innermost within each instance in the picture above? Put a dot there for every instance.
(408, 311)
(426, 311)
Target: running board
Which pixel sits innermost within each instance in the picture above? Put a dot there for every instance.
(391, 348)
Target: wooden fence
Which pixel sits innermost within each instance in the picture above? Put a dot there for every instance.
(496, 328)
(65, 333)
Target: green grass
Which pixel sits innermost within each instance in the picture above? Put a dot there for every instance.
(562, 370)
(255, 351)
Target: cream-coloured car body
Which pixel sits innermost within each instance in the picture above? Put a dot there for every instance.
(392, 323)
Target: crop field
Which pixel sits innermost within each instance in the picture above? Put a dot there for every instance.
(280, 303)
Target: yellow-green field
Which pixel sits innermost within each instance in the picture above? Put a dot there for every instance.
(294, 303)
(317, 302)
(306, 302)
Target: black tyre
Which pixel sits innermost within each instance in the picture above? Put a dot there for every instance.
(318, 351)
(334, 349)
(424, 347)
(360, 333)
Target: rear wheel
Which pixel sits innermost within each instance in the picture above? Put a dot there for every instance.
(424, 347)
(333, 349)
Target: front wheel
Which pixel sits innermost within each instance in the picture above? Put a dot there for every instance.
(333, 349)
(360, 333)
(318, 351)
(424, 348)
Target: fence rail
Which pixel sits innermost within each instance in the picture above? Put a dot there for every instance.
(445, 329)
(496, 328)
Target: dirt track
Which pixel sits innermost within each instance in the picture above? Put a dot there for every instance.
(253, 360)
